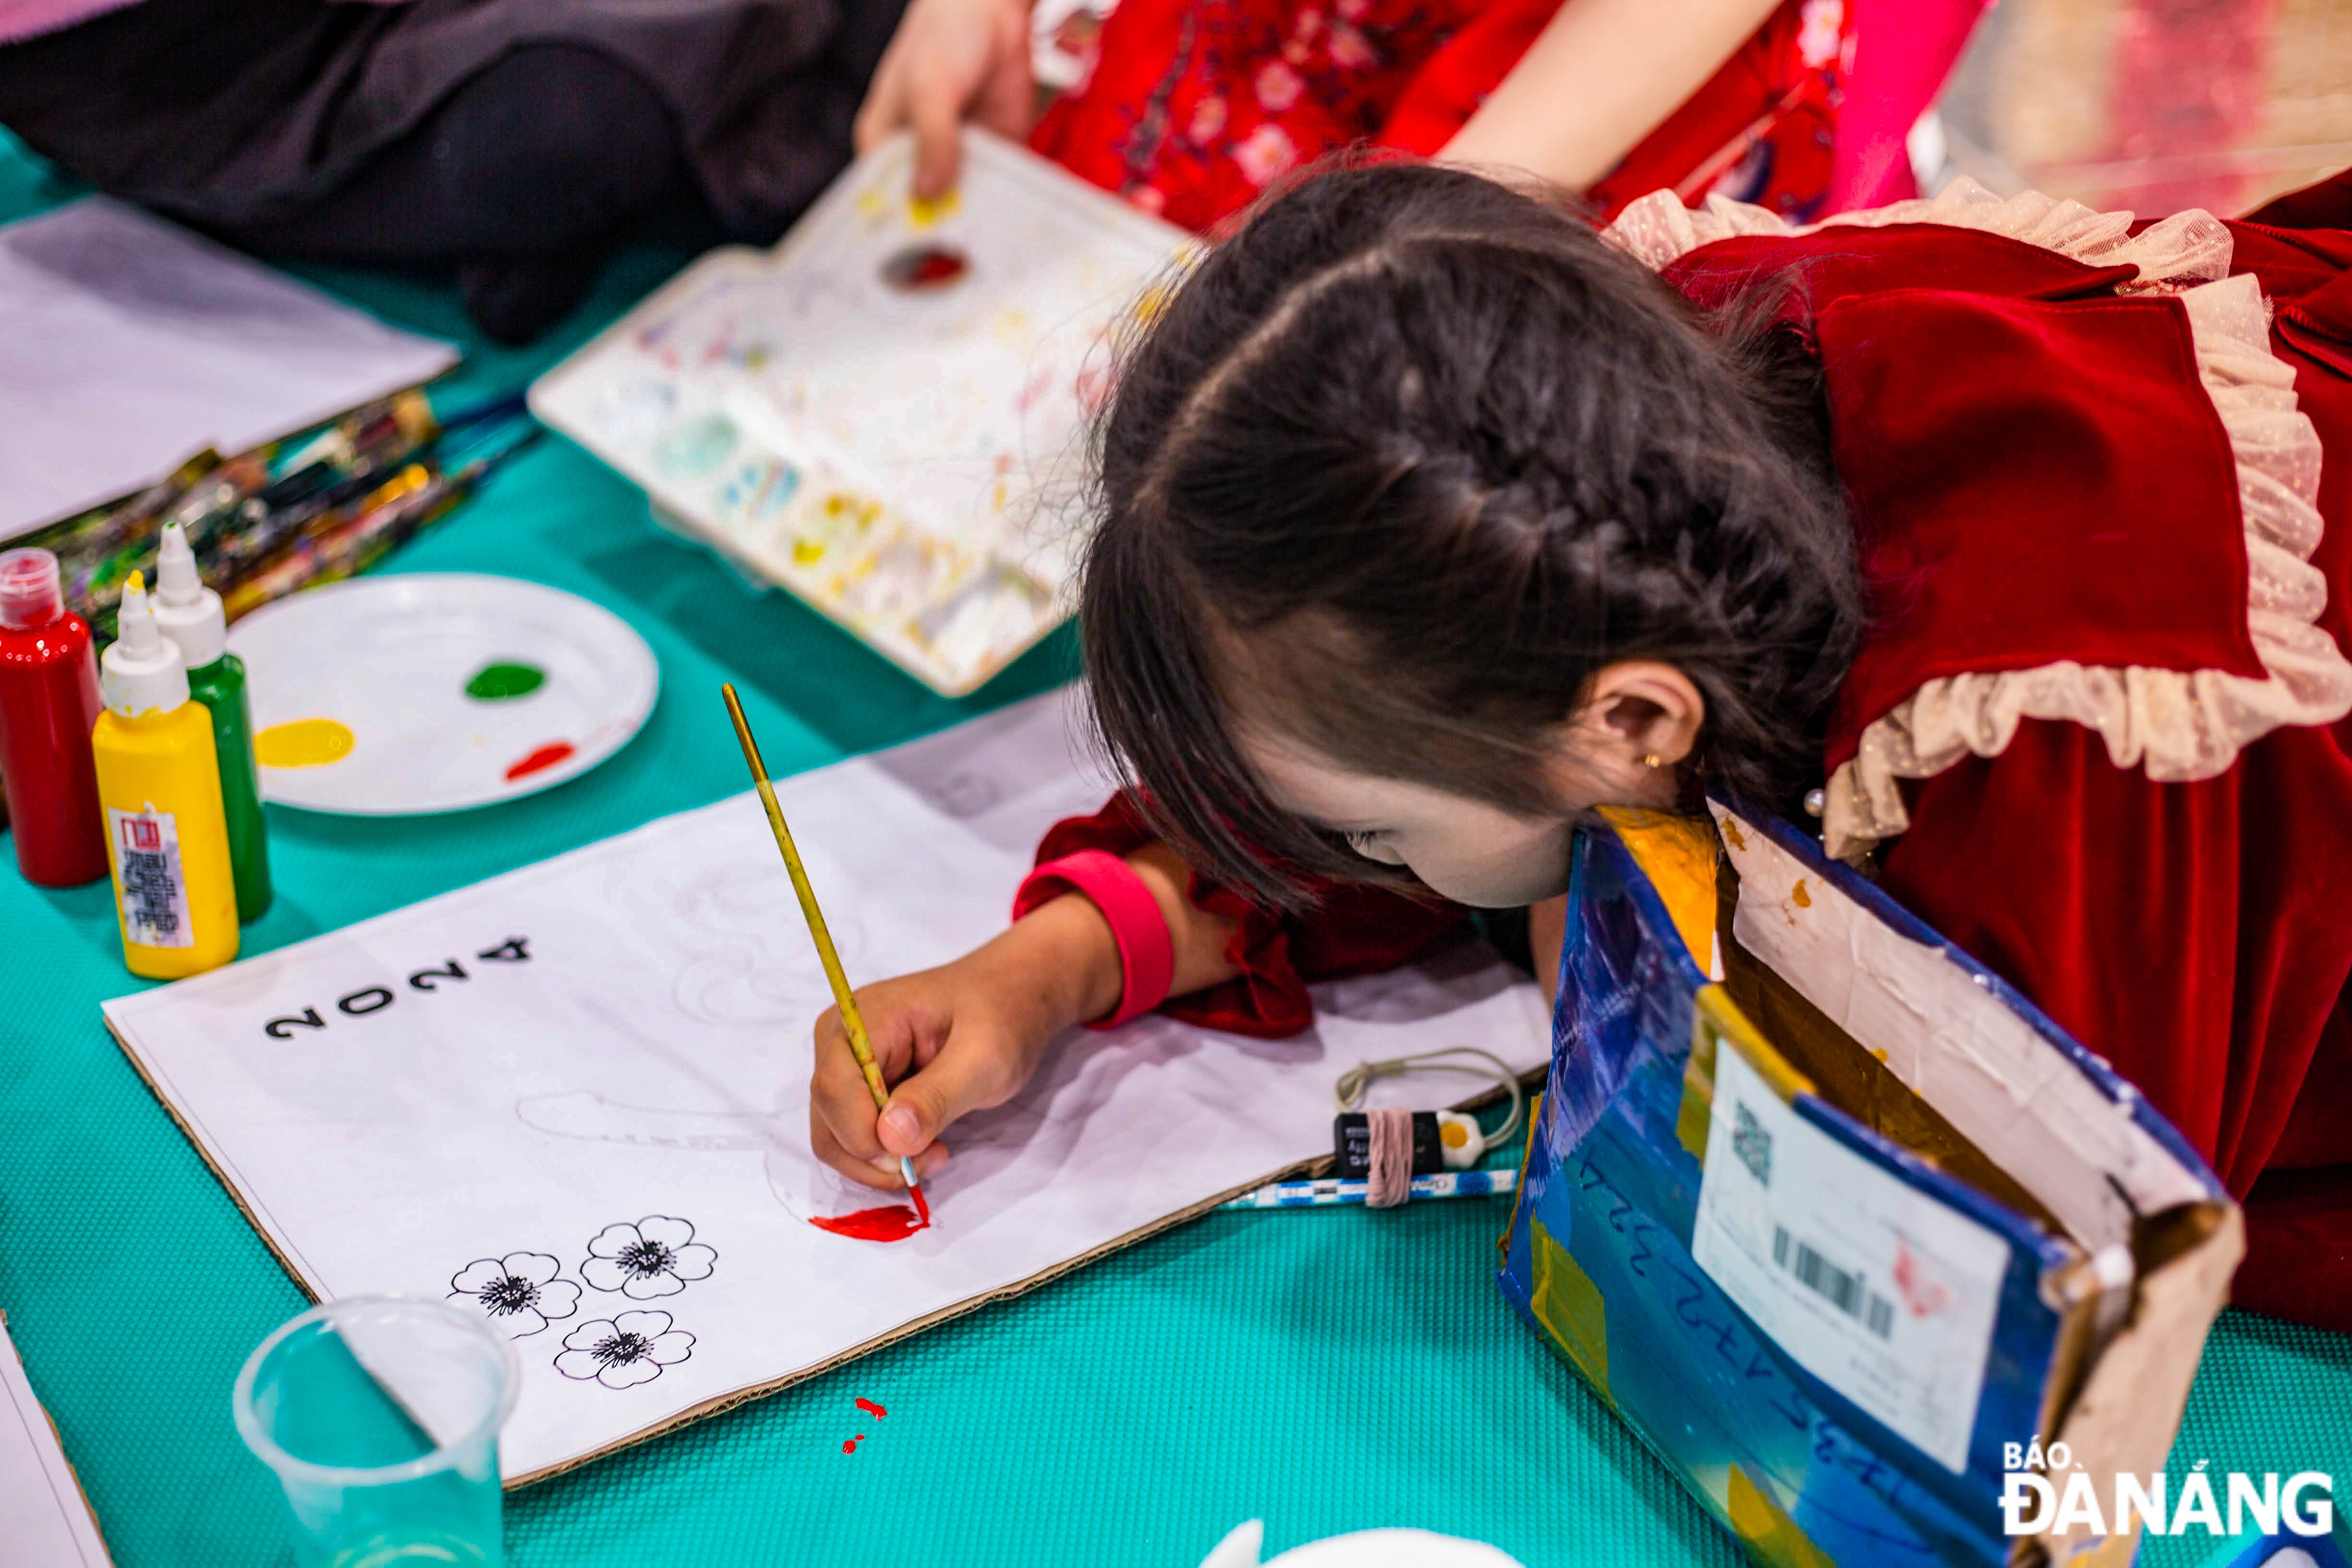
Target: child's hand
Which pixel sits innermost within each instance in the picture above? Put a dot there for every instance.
(960, 1037)
(949, 61)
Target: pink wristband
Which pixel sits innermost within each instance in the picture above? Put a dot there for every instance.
(1147, 955)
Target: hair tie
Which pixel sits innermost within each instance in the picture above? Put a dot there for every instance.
(1389, 1181)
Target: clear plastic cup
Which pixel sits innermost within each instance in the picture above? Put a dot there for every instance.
(380, 1417)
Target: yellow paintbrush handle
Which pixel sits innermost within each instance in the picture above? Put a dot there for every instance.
(859, 1046)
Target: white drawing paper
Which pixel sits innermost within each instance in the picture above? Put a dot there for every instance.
(881, 414)
(127, 344)
(45, 1520)
(575, 1097)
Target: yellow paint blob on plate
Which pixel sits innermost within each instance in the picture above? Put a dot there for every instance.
(924, 211)
(302, 743)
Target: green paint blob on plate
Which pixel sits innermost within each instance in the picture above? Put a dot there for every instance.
(497, 682)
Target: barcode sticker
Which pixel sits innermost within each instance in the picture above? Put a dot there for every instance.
(1883, 1291)
(147, 868)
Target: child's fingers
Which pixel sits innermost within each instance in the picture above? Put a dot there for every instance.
(880, 1169)
(959, 1078)
(936, 106)
(840, 1105)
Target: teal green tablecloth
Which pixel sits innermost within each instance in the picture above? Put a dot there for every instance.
(1325, 1371)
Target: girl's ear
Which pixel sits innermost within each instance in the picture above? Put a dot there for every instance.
(1640, 715)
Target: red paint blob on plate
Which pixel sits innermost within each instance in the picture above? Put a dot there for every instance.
(544, 758)
(921, 268)
(872, 1409)
(891, 1223)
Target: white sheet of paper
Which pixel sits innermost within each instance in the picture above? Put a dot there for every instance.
(639, 1081)
(44, 1521)
(127, 344)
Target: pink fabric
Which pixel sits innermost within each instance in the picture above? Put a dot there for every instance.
(22, 19)
(1147, 955)
(1903, 51)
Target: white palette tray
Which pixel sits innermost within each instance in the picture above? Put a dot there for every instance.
(883, 415)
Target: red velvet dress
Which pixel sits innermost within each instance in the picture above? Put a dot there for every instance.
(1191, 107)
(2101, 476)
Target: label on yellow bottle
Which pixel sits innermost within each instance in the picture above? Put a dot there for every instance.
(155, 892)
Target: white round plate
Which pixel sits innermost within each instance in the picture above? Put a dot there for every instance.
(390, 659)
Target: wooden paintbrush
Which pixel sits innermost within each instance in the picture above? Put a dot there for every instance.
(851, 1023)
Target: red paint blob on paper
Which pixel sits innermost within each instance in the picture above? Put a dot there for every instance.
(545, 757)
(891, 1224)
(871, 1408)
(850, 1446)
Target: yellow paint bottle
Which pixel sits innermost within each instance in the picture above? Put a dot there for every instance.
(159, 787)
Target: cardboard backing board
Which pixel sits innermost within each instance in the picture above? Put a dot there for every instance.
(579, 1091)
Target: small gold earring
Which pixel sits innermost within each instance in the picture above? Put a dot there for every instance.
(1651, 760)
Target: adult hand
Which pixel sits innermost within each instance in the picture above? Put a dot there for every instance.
(950, 60)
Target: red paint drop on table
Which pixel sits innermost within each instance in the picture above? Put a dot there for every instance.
(850, 1446)
(545, 757)
(871, 1408)
(891, 1223)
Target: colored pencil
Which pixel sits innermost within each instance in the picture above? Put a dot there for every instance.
(852, 1023)
(1331, 1190)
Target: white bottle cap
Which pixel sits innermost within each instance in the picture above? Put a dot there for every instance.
(142, 672)
(189, 612)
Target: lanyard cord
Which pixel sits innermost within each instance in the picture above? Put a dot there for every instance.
(1349, 1090)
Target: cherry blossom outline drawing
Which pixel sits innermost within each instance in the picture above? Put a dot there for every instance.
(520, 1292)
(624, 1349)
(655, 1256)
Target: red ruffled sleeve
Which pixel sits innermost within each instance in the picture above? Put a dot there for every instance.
(1353, 930)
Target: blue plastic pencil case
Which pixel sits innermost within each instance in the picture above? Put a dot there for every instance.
(1849, 1231)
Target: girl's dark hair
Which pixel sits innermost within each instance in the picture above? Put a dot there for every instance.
(1398, 467)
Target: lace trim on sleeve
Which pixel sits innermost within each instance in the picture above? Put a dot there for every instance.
(2178, 725)
(2184, 250)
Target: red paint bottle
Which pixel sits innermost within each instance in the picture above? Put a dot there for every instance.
(48, 706)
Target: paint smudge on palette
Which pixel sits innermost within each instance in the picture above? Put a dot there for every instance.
(696, 448)
(922, 269)
(303, 743)
(540, 760)
(502, 681)
(922, 212)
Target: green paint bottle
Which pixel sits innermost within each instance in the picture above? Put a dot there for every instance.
(190, 614)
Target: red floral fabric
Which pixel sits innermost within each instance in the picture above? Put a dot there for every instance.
(1193, 108)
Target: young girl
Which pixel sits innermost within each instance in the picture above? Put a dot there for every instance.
(2011, 537)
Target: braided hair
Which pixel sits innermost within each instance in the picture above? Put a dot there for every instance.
(1400, 465)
